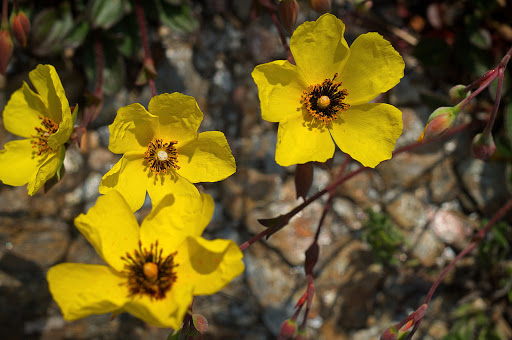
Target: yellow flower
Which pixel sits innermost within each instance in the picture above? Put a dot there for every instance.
(153, 270)
(325, 96)
(45, 120)
(163, 152)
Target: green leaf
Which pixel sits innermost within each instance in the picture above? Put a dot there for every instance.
(105, 14)
(77, 36)
(177, 17)
(481, 38)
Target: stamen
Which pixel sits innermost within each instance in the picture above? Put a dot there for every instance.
(324, 101)
(43, 133)
(161, 156)
(148, 272)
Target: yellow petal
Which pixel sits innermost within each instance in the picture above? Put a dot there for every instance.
(46, 171)
(300, 142)
(21, 114)
(207, 265)
(368, 132)
(206, 159)
(161, 185)
(188, 214)
(111, 228)
(132, 129)
(84, 289)
(280, 87)
(66, 127)
(47, 83)
(373, 67)
(19, 162)
(319, 48)
(129, 177)
(178, 115)
(168, 312)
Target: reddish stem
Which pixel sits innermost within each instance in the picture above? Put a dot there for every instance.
(139, 11)
(339, 181)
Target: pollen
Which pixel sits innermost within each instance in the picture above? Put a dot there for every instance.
(162, 156)
(324, 101)
(148, 272)
(49, 127)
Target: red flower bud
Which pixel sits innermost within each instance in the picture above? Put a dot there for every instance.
(287, 329)
(320, 6)
(5, 49)
(439, 121)
(483, 146)
(288, 10)
(20, 26)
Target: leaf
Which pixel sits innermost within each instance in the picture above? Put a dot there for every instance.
(105, 14)
(50, 27)
(177, 17)
(77, 36)
(481, 38)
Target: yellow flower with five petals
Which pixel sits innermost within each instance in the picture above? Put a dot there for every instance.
(153, 270)
(45, 120)
(326, 95)
(163, 153)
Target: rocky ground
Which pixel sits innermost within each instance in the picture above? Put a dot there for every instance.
(436, 196)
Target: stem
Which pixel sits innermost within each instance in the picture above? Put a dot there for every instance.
(339, 181)
(490, 122)
(276, 22)
(476, 240)
(139, 11)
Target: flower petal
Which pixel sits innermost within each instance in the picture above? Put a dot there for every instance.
(161, 185)
(129, 176)
(132, 129)
(300, 141)
(21, 114)
(168, 312)
(84, 289)
(207, 265)
(206, 159)
(47, 83)
(368, 132)
(187, 214)
(111, 228)
(373, 67)
(280, 87)
(19, 162)
(319, 48)
(179, 116)
(46, 171)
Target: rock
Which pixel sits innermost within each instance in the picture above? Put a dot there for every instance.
(271, 281)
(427, 248)
(408, 211)
(485, 183)
(453, 228)
(444, 186)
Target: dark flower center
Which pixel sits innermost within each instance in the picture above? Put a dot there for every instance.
(161, 156)
(148, 272)
(49, 127)
(324, 101)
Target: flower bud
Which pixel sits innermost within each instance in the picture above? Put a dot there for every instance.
(20, 27)
(363, 6)
(458, 93)
(483, 146)
(288, 10)
(320, 6)
(287, 329)
(5, 49)
(439, 121)
(302, 334)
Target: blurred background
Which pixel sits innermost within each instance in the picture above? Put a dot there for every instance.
(390, 231)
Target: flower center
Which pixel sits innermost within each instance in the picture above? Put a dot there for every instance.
(161, 156)
(148, 272)
(48, 128)
(324, 101)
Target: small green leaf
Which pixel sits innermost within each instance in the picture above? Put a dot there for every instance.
(105, 14)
